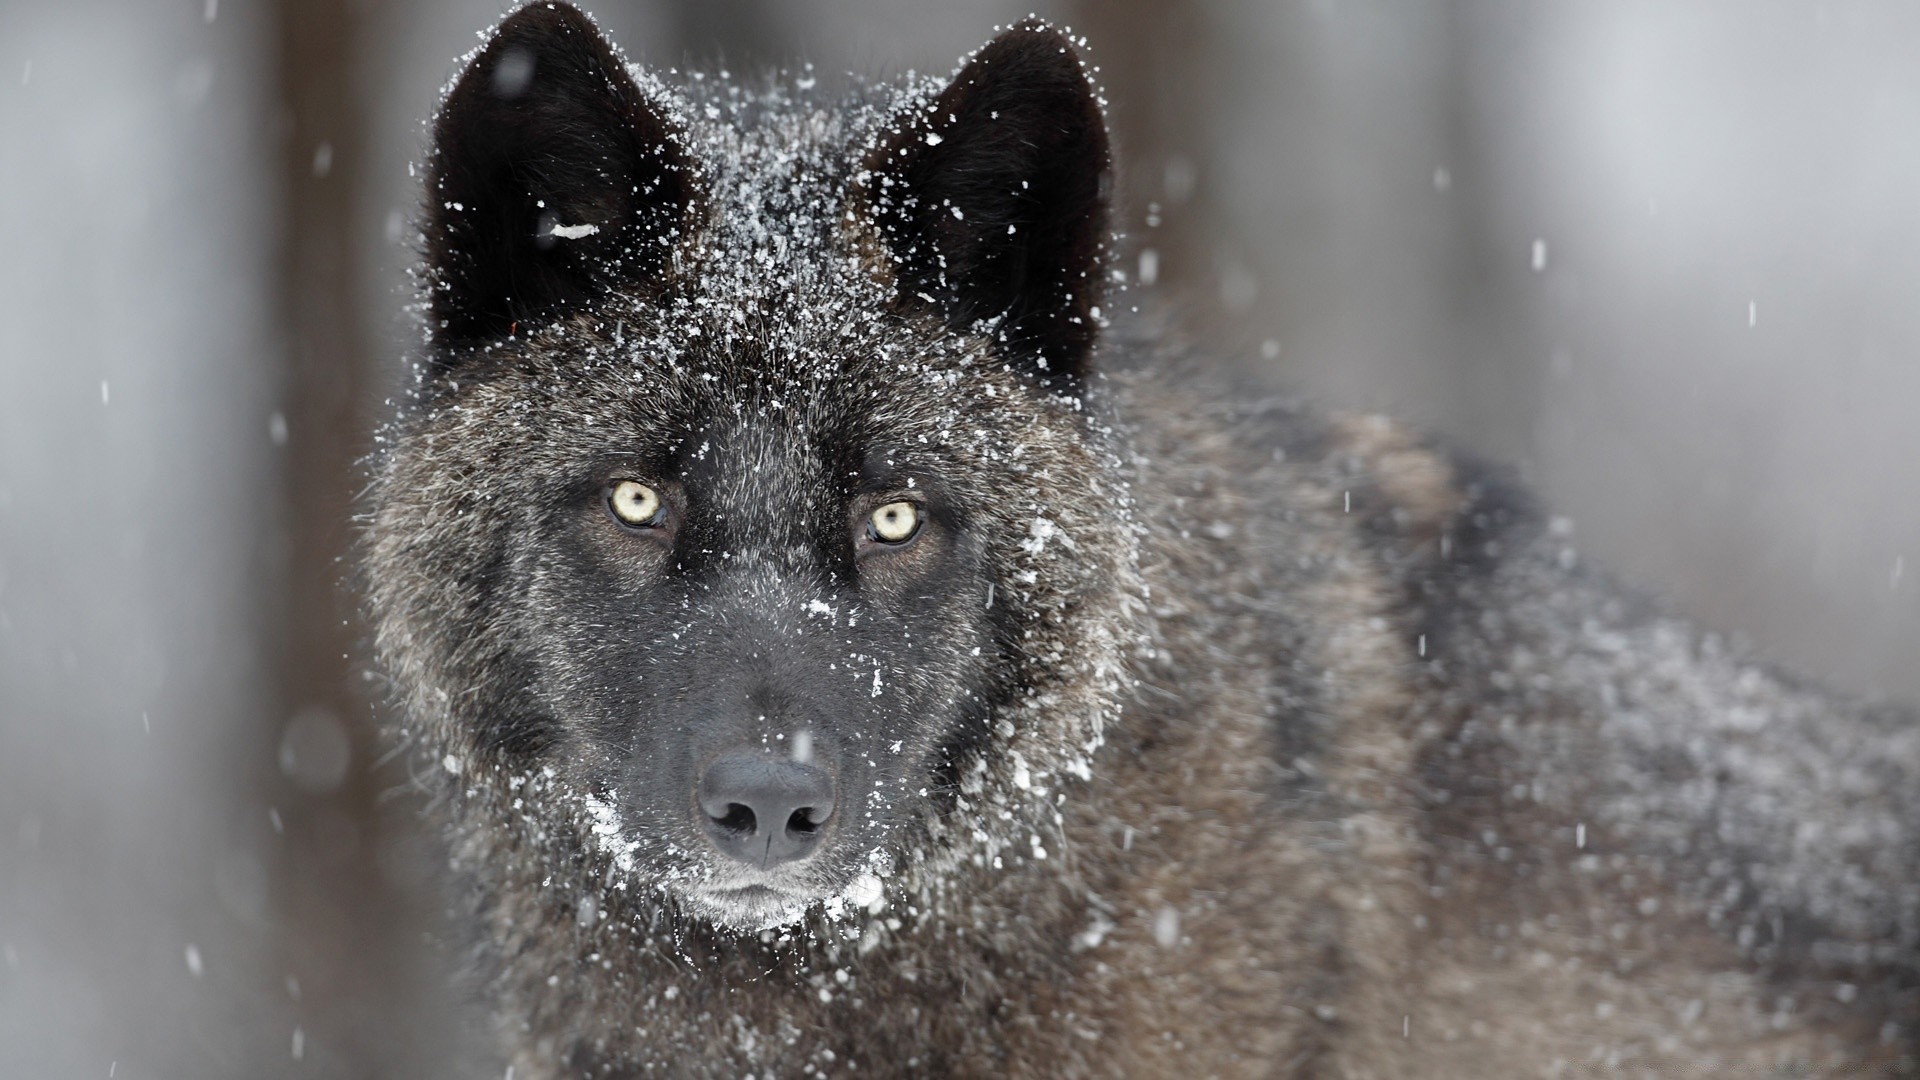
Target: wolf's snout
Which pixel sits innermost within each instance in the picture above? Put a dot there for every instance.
(764, 811)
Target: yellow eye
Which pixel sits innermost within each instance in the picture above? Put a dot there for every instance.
(634, 503)
(894, 523)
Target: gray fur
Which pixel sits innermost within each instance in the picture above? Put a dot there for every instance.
(1325, 758)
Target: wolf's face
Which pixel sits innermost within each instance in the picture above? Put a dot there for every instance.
(756, 617)
(738, 470)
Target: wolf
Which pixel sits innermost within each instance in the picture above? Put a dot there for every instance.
(840, 642)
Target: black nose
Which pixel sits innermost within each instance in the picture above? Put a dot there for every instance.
(765, 811)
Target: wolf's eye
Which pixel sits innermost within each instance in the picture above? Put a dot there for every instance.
(634, 503)
(894, 523)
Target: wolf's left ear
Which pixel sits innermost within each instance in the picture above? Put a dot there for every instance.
(553, 179)
(992, 200)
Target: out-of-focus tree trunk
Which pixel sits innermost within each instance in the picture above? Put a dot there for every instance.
(744, 33)
(345, 942)
(1150, 55)
(1492, 269)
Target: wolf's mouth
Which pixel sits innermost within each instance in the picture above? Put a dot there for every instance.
(751, 894)
(756, 907)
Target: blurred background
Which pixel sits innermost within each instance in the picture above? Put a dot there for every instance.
(1662, 256)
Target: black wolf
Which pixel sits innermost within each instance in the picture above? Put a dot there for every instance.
(840, 651)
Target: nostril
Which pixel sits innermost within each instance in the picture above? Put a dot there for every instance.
(805, 821)
(737, 819)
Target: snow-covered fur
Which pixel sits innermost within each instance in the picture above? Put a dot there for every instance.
(1182, 736)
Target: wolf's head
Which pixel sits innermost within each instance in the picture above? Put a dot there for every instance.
(752, 534)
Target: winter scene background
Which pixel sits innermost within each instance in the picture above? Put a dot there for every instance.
(1662, 257)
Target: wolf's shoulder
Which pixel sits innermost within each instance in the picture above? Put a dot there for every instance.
(1207, 440)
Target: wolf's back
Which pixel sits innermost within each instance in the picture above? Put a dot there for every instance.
(1783, 813)
(1616, 821)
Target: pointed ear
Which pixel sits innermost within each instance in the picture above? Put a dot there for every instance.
(991, 200)
(553, 179)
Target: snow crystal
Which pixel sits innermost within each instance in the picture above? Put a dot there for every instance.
(1166, 927)
(1149, 266)
(1038, 533)
(1095, 933)
(865, 892)
(513, 73)
(607, 830)
(573, 232)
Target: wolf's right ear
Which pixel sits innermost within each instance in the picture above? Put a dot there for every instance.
(553, 179)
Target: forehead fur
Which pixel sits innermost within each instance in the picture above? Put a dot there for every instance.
(778, 243)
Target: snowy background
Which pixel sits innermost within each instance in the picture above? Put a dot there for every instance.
(1662, 256)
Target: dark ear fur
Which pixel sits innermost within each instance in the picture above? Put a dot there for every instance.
(992, 200)
(546, 128)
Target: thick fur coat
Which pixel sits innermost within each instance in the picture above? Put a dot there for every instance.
(1182, 735)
